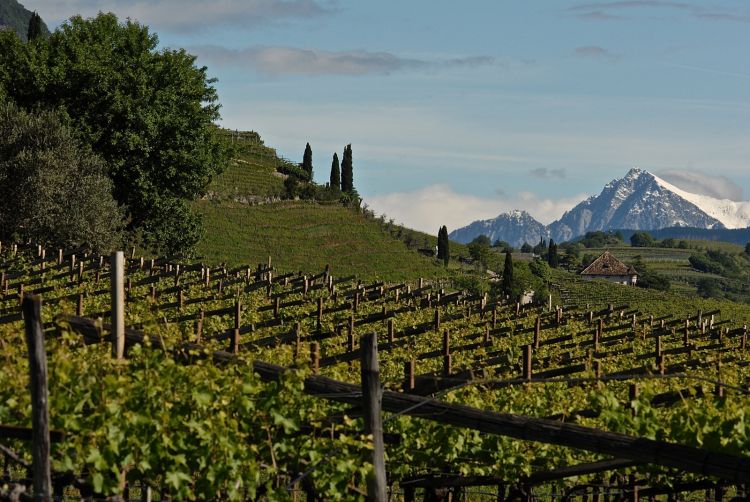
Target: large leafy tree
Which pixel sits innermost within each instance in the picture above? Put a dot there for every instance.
(148, 113)
(52, 190)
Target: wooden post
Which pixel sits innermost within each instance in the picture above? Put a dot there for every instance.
(494, 317)
(276, 307)
(297, 339)
(633, 395)
(79, 307)
(372, 395)
(527, 371)
(32, 314)
(319, 321)
(537, 328)
(237, 315)
(315, 357)
(199, 326)
(117, 294)
(437, 320)
(391, 331)
(409, 368)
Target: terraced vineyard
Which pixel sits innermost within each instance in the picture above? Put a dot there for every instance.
(245, 384)
(246, 220)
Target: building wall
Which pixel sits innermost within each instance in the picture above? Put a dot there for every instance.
(619, 279)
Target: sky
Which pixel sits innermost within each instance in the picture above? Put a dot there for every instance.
(458, 111)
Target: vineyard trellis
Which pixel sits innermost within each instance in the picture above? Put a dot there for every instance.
(458, 342)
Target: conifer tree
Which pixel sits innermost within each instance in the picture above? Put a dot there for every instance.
(35, 27)
(307, 164)
(508, 274)
(347, 176)
(335, 173)
(552, 258)
(443, 244)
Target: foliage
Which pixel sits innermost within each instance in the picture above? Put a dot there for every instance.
(347, 171)
(503, 246)
(51, 189)
(552, 257)
(479, 250)
(13, 15)
(35, 29)
(703, 263)
(443, 245)
(335, 182)
(527, 248)
(508, 281)
(148, 113)
(648, 278)
(307, 162)
(641, 240)
(599, 239)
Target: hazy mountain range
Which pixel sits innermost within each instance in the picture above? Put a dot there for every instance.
(638, 201)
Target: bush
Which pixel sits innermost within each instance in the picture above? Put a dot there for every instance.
(641, 240)
(52, 190)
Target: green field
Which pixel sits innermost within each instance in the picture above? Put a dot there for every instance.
(246, 221)
(300, 235)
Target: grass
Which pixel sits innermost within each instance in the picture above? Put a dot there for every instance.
(246, 221)
(251, 176)
(300, 235)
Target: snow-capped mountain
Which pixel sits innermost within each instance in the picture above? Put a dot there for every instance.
(639, 201)
(515, 228)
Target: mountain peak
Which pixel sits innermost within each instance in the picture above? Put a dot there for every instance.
(638, 201)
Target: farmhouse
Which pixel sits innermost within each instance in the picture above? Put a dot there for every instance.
(609, 268)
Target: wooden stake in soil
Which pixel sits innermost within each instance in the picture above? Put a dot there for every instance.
(32, 314)
(117, 279)
(372, 395)
(527, 373)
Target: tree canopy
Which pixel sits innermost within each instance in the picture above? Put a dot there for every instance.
(52, 190)
(148, 113)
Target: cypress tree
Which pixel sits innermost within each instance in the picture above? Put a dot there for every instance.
(508, 274)
(443, 245)
(35, 27)
(552, 257)
(347, 175)
(335, 173)
(307, 161)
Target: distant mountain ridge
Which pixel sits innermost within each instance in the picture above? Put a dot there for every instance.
(638, 201)
(15, 16)
(514, 227)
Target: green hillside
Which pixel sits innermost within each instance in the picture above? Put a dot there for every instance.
(16, 17)
(246, 221)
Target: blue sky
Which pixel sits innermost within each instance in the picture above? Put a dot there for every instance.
(461, 110)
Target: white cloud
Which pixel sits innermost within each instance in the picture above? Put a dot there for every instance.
(717, 186)
(430, 207)
(183, 15)
(277, 61)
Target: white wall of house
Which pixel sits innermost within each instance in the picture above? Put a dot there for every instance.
(627, 280)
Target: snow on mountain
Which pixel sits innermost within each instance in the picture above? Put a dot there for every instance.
(730, 213)
(638, 201)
